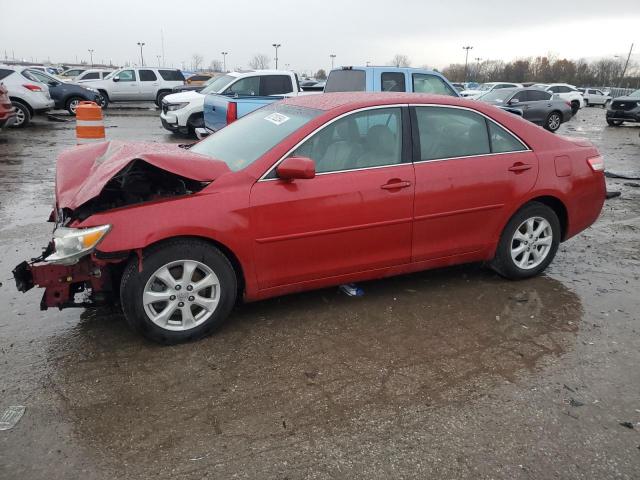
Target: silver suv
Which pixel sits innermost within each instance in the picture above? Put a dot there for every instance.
(29, 97)
(136, 84)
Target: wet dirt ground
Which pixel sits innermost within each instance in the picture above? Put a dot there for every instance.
(454, 373)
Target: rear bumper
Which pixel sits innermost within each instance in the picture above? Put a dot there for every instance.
(62, 283)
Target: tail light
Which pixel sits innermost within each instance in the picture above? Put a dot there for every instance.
(33, 88)
(232, 112)
(596, 163)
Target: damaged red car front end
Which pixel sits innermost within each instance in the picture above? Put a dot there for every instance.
(93, 179)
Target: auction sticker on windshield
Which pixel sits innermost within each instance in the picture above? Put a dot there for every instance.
(276, 118)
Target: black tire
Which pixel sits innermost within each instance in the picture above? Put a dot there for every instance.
(134, 282)
(23, 114)
(586, 103)
(71, 104)
(160, 96)
(614, 123)
(503, 262)
(575, 106)
(553, 121)
(195, 121)
(104, 100)
(606, 104)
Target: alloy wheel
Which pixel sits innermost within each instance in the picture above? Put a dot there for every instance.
(181, 295)
(531, 243)
(554, 121)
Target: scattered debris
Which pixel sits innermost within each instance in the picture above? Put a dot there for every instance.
(631, 184)
(11, 416)
(575, 403)
(627, 424)
(56, 118)
(568, 388)
(352, 290)
(611, 194)
(624, 176)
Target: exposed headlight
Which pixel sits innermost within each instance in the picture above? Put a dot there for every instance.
(176, 106)
(71, 244)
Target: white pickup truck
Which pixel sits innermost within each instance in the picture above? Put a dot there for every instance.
(183, 112)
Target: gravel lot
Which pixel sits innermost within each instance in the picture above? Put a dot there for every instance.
(453, 373)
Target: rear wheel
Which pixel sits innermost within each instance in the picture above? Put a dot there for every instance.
(23, 115)
(72, 104)
(553, 121)
(528, 243)
(614, 123)
(159, 98)
(185, 290)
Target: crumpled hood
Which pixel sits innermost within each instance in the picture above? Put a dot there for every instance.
(83, 171)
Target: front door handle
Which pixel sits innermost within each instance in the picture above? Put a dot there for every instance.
(519, 167)
(395, 185)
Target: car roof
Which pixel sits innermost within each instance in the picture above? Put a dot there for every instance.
(330, 101)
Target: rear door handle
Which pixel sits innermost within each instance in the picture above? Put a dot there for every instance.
(395, 185)
(519, 167)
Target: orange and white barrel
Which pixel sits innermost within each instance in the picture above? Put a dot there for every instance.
(89, 123)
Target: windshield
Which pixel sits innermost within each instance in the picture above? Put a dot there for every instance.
(244, 141)
(218, 84)
(486, 86)
(111, 74)
(635, 94)
(499, 96)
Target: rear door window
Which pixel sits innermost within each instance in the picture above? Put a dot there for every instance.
(539, 95)
(393, 82)
(276, 85)
(502, 141)
(147, 76)
(450, 133)
(91, 76)
(425, 83)
(346, 81)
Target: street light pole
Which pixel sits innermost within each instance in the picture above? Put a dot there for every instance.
(276, 46)
(158, 57)
(333, 57)
(91, 54)
(224, 62)
(141, 44)
(477, 59)
(466, 60)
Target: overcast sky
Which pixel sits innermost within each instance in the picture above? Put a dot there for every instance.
(356, 31)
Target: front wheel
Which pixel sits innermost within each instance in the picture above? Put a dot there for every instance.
(528, 243)
(614, 123)
(185, 290)
(103, 101)
(72, 104)
(159, 98)
(553, 121)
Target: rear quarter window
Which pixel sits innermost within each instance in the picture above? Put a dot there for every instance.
(171, 75)
(346, 81)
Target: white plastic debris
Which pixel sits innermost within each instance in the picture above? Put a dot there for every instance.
(11, 416)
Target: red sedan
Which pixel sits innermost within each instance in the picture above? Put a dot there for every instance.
(306, 193)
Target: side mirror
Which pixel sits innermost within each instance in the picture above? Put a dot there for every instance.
(296, 167)
(514, 101)
(116, 78)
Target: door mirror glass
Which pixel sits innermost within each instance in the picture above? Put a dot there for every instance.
(514, 101)
(116, 78)
(296, 167)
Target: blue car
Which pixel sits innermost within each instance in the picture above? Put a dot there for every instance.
(67, 96)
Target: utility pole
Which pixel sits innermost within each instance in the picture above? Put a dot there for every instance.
(276, 46)
(466, 60)
(158, 57)
(91, 54)
(162, 43)
(626, 64)
(477, 59)
(224, 62)
(333, 58)
(141, 44)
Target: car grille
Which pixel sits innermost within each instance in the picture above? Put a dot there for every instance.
(623, 105)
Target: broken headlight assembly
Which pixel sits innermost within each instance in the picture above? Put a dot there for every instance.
(71, 244)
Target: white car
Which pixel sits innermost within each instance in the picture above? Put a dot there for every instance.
(136, 84)
(29, 97)
(594, 96)
(488, 87)
(92, 74)
(566, 92)
(70, 74)
(183, 112)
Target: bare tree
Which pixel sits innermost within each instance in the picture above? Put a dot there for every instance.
(321, 74)
(196, 61)
(215, 66)
(400, 60)
(260, 61)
